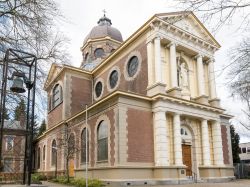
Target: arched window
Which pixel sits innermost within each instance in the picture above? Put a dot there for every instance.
(57, 95)
(53, 153)
(38, 158)
(83, 145)
(44, 150)
(102, 141)
(71, 145)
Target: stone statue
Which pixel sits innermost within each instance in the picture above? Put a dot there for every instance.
(184, 76)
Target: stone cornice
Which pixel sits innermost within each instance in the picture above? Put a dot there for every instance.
(136, 96)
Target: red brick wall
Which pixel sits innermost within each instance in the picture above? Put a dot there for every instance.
(225, 144)
(140, 136)
(55, 115)
(139, 84)
(81, 94)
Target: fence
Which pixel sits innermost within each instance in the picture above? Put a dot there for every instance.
(242, 170)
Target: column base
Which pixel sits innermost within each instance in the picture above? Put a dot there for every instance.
(203, 99)
(175, 92)
(214, 102)
(156, 89)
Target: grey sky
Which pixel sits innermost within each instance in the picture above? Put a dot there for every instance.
(128, 16)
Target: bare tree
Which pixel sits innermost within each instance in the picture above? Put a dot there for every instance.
(239, 76)
(221, 13)
(69, 146)
(30, 26)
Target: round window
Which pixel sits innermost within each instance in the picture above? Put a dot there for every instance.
(113, 79)
(99, 52)
(98, 89)
(132, 66)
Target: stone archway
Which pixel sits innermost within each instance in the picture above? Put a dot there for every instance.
(187, 157)
(191, 139)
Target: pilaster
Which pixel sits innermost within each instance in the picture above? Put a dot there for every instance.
(177, 139)
(205, 143)
(160, 138)
(217, 143)
(174, 90)
(202, 98)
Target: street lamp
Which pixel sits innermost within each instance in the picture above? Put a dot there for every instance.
(55, 148)
(23, 63)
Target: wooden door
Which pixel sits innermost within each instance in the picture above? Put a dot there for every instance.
(187, 158)
(71, 168)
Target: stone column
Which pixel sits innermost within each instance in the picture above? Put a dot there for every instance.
(217, 143)
(200, 76)
(212, 86)
(158, 68)
(150, 63)
(160, 138)
(173, 65)
(205, 143)
(177, 139)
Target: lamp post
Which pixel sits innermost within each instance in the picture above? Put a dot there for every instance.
(55, 148)
(25, 66)
(86, 146)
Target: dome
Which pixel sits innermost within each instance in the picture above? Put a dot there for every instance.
(104, 29)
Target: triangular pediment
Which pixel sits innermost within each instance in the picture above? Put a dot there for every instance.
(188, 22)
(53, 72)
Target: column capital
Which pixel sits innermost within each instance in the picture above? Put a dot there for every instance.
(172, 43)
(211, 60)
(198, 56)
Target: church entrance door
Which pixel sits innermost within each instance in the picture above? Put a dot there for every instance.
(187, 158)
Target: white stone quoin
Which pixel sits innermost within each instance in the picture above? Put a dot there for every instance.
(205, 143)
(177, 140)
(160, 138)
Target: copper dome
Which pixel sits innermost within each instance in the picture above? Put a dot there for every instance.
(104, 29)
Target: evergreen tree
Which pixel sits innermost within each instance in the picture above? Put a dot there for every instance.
(235, 140)
(20, 110)
(42, 128)
(6, 114)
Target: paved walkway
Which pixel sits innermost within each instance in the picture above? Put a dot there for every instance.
(236, 183)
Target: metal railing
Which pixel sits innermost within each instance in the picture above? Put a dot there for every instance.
(193, 175)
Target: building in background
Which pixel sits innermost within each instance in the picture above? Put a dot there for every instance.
(153, 113)
(244, 152)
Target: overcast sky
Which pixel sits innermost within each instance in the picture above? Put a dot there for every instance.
(128, 16)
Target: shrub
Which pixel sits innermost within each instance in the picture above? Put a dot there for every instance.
(37, 178)
(79, 182)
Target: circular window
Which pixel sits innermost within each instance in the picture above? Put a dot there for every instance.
(99, 52)
(98, 89)
(113, 79)
(132, 66)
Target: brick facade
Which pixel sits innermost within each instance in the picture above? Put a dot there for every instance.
(140, 136)
(225, 145)
(81, 94)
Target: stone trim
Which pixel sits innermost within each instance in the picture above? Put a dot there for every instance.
(105, 118)
(138, 55)
(81, 164)
(102, 81)
(118, 81)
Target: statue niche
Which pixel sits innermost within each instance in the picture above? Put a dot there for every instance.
(183, 77)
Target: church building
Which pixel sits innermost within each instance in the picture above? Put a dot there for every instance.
(148, 104)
